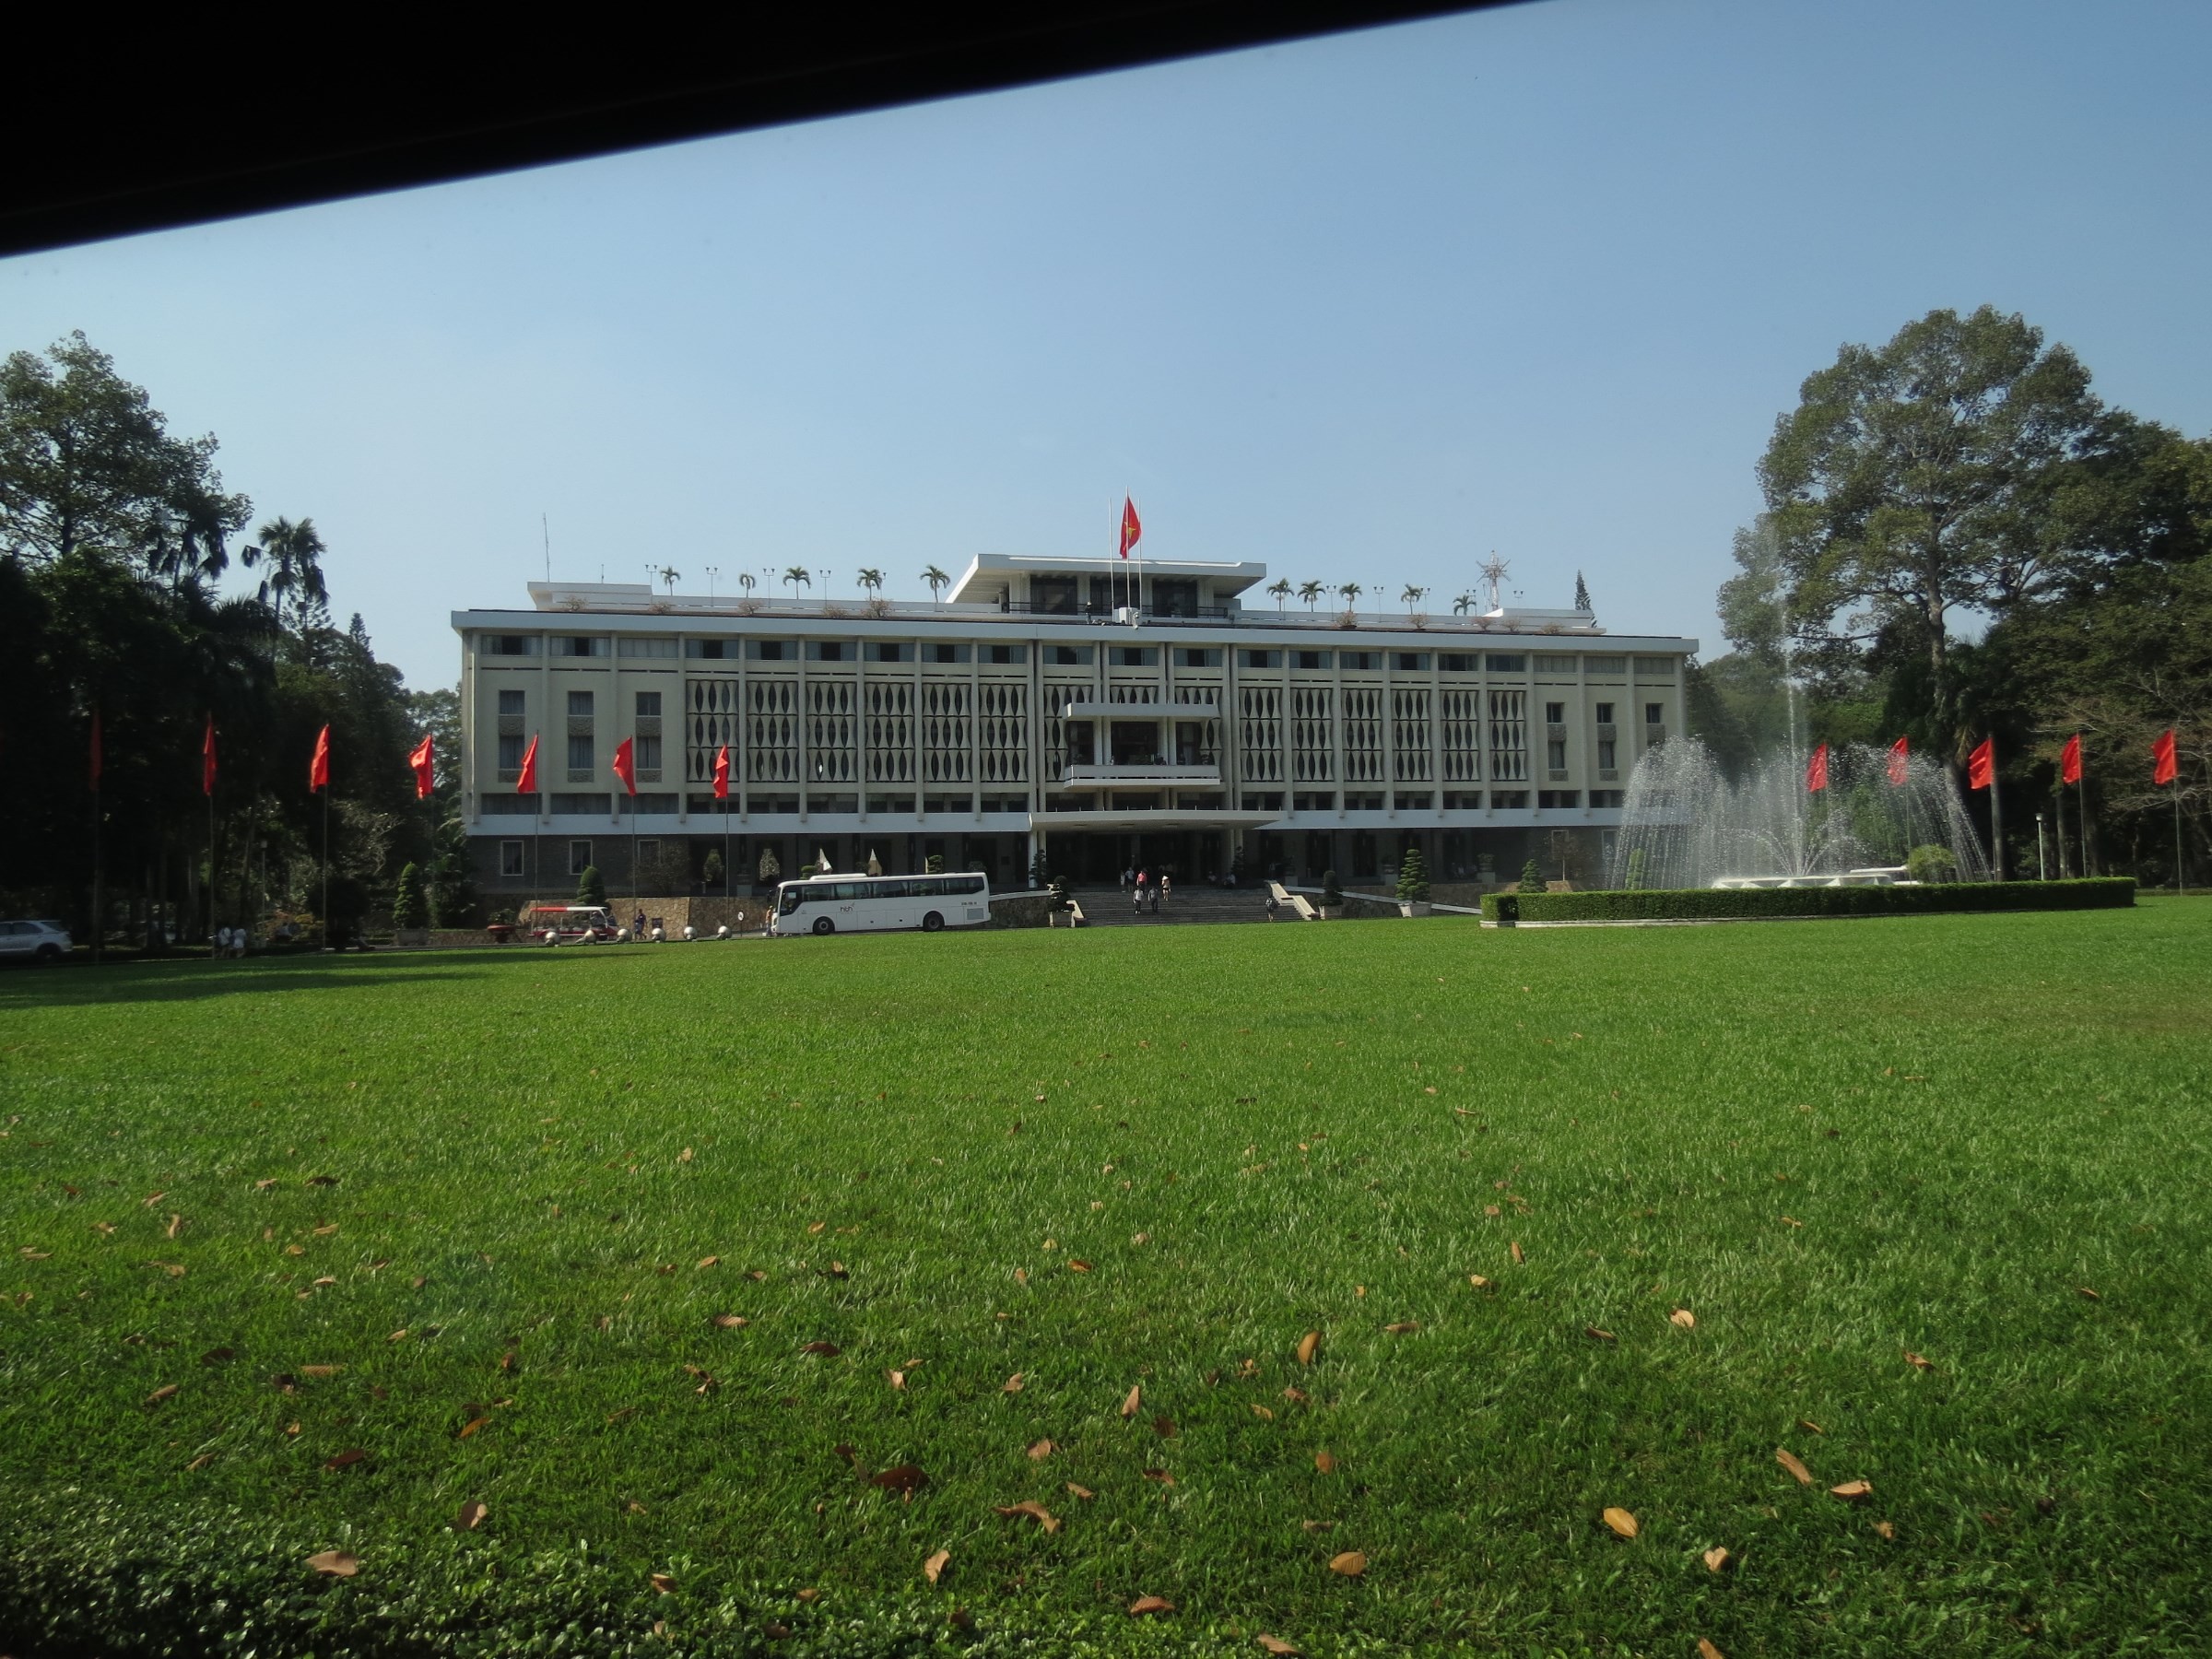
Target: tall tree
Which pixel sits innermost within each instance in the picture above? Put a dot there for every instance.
(293, 555)
(1917, 478)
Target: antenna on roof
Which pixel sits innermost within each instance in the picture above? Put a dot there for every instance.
(1495, 571)
(546, 530)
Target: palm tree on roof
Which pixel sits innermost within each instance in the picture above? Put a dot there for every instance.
(870, 579)
(796, 574)
(1463, 605)
(1350, 591)
(1279, 589)
(1311, 592)
(1412, 597)
(935, 578)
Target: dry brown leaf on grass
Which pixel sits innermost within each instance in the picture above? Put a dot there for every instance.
(1886, 1529)
(1325, 1461)
(729, 1322)
(472, 1424)
(176, 1226)
(1036, 1511)
(898, 1379)
(1479, 1283)
(1684, 1318)
(827, 1350)
(1135, 1399)
(1144, 1605)
(166, 1391)
(904, 1477)
(1083, 1492)
(1853, 1491)
(1597, 1336)
(1274, 1645)
(1040, 1451)
(1262, 1412)
(1308, 1346)
(1297, 1396)
(1918, 1362)
(1076, 1265)
(1515, 1248)
(345, 1459)
(1810, 1427)
(469, 1516)
(1403, 1327)
(1012, 1384)
(2088, 1294)
(1788, 1461)
(1718, 1559)
(684, 1156)
(1622, 1522)
(1161, 1475)
(934, 1569)
(1791, 1221)
(335, 1562)
(1350, 1564)
(1707, 1651)
(663, 1582)
(816, 1227)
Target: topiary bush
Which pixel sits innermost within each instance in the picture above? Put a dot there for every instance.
(1332, 896)
(589, 888)
(1931, 864)
(1413, 878)
(407, 907)
(1532, 879)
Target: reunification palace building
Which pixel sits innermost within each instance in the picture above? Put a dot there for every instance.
(1101, 712)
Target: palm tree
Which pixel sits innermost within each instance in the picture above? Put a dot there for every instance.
(746, 580)
(1412, 597)
(1463, 605)
(670, 577)
(796, 574)
(1311, 592)
(1280, 591)
(871, 580)
(1350, 591)
(935, 578)
(294, 554)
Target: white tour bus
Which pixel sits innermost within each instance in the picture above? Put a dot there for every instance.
(826, 904)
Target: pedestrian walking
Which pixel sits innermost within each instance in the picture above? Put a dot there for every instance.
(1128, 879)
(1271, 906)
(1167, 885)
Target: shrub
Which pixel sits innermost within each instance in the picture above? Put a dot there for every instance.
(1532, 879)
(1413, 878)
(1040, 872)
(933, 865)
(1931, 864)
(1332, 896)
(589, 888)
(407, 907)
(710, 869)
(1700, 904)
(770, 865)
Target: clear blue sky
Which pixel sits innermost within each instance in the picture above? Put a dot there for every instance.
(1364, 308)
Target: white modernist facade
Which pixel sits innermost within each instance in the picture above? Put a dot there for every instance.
(1097, 712)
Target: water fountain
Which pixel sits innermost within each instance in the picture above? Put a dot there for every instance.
(1687, 824)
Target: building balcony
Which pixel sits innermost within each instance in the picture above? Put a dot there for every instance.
(1193, 774)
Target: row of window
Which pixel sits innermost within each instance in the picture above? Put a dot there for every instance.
(659, 805)
(1125, 657)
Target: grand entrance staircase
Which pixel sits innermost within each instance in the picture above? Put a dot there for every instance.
(1109, 907)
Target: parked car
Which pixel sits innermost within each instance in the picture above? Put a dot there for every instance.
(36, 941)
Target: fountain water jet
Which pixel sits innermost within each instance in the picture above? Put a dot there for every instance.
(1685, 824)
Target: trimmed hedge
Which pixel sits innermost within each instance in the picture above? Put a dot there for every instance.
(1706, 904)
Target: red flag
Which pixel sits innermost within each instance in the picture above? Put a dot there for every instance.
(419, 759)
(318, 769)
(2165, 765)
(94, 768)
(626, 769)
(1899, 764)
(1815, 771)
(525, 782)
(207, 758)
(2069, 761)
(1131, 529)
(1981, 765)
(722, 773)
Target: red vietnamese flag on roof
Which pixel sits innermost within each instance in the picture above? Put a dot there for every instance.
(1815, 771)
(526, 781)
(424, 775)
(207, 758)
(722, 773)
(1981, 765)
(318, 769)
(2069, 761)
(625, 767)
(1131, 529)
(1899, 764)
(2165, 761)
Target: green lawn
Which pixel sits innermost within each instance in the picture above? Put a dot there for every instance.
(543, 1173)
